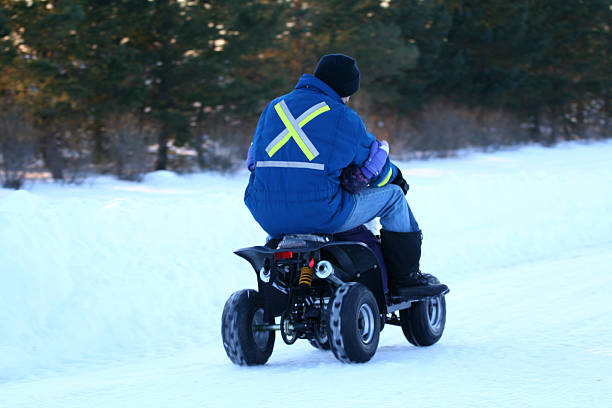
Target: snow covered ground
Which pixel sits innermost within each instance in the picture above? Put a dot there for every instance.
(111, 293)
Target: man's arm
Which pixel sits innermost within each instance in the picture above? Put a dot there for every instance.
(376, 171)
(370, 165)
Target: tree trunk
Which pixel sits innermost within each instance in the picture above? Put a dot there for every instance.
(196, 140)
(535, 130)
(607, 112)
(99, 150)
(52, 156)
(580, 128)
(554, 126)
(162, 150)
(164, 132)
(161, 9)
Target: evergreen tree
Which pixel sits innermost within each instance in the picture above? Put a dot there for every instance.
(425, 24)
(192, 53)
(483, 52)
(7, 50)
(365, 30)
(49, 42)
(565, 42)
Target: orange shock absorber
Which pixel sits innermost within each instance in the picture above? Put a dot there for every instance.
(306, 276)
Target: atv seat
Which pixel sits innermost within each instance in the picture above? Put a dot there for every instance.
(298, 240)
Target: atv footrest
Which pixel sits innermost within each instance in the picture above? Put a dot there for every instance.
(400, 305)
(404, 302)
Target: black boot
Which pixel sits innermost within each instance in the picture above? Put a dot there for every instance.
(402, 253)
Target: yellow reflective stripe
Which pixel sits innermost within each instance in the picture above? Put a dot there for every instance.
(304, 148)
(280, 144)
(386, 180)
(314, 115)
(292, 133)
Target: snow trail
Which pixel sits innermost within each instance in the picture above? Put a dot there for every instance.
(505, 345)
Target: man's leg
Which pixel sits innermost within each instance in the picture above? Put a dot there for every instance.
(386, 202)
(401, 238)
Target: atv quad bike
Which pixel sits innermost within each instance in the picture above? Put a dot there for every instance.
(326, 291)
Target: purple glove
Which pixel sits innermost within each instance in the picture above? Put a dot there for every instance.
(379, 152)
(250, 163)
(352, 179)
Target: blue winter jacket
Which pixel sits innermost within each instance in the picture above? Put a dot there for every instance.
(302, 142)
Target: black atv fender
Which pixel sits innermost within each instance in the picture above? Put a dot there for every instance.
(352, 261)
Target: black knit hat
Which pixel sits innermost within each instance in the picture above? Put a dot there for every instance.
(340, 72)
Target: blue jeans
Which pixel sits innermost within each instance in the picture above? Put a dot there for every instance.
(386, 202)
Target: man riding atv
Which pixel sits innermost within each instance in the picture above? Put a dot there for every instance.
(315, 169)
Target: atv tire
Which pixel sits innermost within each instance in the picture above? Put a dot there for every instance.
(320, 339)
(354, 324)
(320, 343)
(423, 322)
(243, 345)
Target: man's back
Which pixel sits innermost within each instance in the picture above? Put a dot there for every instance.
(303, 141)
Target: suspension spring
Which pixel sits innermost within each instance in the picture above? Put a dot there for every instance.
(306, 276)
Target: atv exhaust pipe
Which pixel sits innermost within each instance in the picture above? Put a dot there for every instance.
(264, 274)
(325, 270)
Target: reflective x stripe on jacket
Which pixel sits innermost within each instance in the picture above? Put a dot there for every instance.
(293, 129)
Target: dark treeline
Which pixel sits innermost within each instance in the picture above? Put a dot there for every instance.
(134, 85)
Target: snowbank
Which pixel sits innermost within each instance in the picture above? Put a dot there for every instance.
(116, 269)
